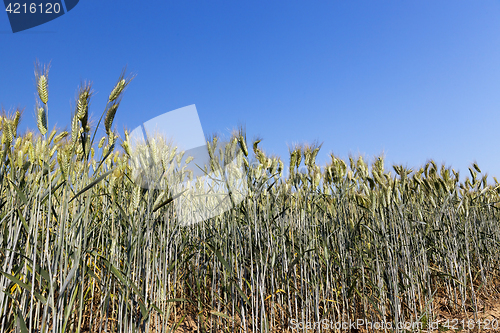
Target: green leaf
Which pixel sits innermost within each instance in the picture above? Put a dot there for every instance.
(174, 328)
(105, 157)
(294, 262)
(69, 307)
(144, 311)
(53, 189)
(221, 259)
(25, 286)
(92, 184)
(21, 322)
(93, 275)
(20, 193)
(39, 270)
(128, 284)
(176, 300)
(117, 273)
(222, 315)
(157, 309)
(68, 278)
(242, 294)
(21, 217)
(169, 200)
(42, 272)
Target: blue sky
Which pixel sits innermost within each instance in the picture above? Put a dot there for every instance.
(413, 80)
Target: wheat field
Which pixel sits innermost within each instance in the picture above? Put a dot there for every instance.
(85, 248)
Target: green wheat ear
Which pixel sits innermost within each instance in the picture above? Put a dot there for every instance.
(117, 90)
(101, 142)
(42, 121)
(82, 103)
(82, 108)
(7, 135)
(120, 86)
(75, 129)
(17, 117)
(110, 115)
(298, 155)
(42, 81)
(60, 136)
(243, 144)
(42, 89)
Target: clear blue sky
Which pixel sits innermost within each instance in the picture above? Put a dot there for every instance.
(411, 79)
